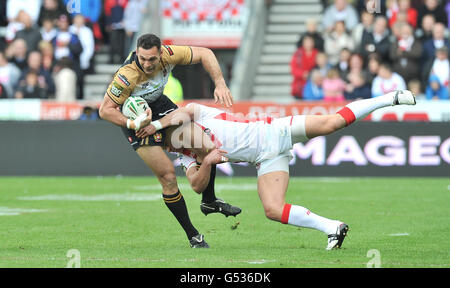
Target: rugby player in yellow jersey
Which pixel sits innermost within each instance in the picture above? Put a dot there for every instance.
(144, 73)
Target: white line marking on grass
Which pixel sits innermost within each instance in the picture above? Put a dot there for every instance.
(5, 211)
(101, 197)
(262, 261)
(399, 234)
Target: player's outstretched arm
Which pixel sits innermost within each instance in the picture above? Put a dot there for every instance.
(206, 57)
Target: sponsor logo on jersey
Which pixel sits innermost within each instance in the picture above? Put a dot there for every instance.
(157, 136)
(116, 89)
(123, 79)
(169, 50)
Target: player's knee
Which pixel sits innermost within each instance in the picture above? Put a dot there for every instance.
(273, 212)
(169, 182)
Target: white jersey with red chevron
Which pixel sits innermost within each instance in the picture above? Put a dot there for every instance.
(244, 140)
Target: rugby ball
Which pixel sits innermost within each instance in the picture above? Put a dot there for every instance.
(134, 106)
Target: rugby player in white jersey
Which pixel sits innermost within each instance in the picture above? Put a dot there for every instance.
(267, 143)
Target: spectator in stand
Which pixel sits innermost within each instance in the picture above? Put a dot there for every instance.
(340, 11)
(425, 31)
(48, 29)
(336, 40)
(65, 81)
(132, 19)
(45, 80)
(377, 40)
(89, 114)
(322, 63)
(47, 52)
(114, 12)
(438, 75)
(32, 8)
(436, 90)
(364, 27)
(67, 45)
(303, 60)
(343, 66)
(333, 87)
(51, 9)
(435, 8)
(313, 89)
(386, 81)
(311, 30)
(9, 75)
(14, 26)
(17, 53)
(86, 37)
(438, 41)
(357, 88)
(356, 66)
(30, 33)
(30, 87)
(416, 88)
(373, 64)
(402, 6)
(406, 54)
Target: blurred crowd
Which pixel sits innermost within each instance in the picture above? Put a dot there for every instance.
(48, 46)
(356, 52)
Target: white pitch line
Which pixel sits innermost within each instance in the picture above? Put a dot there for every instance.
(6, 211)
(262, 261)
(399, 234)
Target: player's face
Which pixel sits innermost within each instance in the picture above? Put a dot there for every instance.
(149, 58)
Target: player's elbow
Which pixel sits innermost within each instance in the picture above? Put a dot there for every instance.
(101, 112)
(198, 186)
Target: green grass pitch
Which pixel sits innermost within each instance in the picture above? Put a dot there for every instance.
(123, 222)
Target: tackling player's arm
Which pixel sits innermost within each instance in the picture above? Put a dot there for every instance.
(198, 175)
(175, 118)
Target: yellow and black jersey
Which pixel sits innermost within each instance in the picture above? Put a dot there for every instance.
(131, 80)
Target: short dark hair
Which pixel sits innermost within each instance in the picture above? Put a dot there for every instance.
(148, 41)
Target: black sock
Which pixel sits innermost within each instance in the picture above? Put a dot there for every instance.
(177, 206)
(209, 195)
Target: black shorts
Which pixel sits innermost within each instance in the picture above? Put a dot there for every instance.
(160, 108)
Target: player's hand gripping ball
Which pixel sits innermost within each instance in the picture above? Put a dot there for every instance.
(134, 107)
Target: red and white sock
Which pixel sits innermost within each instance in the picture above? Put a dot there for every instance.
(302, 217)
(359, 110)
